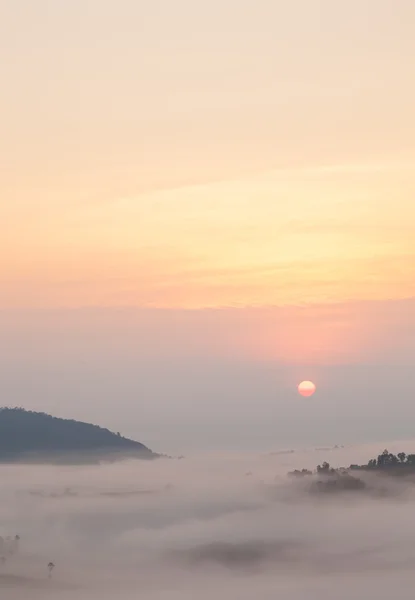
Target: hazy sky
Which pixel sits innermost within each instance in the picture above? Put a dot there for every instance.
(222, 191)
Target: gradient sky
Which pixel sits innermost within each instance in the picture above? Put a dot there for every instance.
(238, 174)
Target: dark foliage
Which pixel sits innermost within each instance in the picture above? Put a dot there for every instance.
(388, 463)
(327, 479)
(25, 432)
(301, 473)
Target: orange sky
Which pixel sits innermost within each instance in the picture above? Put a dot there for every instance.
(261, 159)
(277, 238)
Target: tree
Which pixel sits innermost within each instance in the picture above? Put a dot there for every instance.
(402, 456)
(324, 468)
(393, 460)
(51, 566)
(383, 459)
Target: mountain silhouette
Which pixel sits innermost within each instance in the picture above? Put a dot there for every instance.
(39, 437)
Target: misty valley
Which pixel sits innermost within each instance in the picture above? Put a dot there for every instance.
(211, 526)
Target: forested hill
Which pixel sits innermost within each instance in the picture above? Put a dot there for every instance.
(34, 435)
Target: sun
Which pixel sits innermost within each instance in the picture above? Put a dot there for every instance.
(306, 388)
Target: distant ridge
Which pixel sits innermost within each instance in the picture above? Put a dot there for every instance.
(27, 436)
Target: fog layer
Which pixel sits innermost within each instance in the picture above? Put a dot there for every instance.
(230, 527)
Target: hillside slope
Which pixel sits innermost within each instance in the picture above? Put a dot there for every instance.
(34, 435)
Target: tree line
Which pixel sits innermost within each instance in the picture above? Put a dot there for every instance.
(385, 461)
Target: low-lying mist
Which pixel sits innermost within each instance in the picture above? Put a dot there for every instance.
(230, 527)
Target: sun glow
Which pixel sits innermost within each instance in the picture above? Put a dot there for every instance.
(306, 388)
